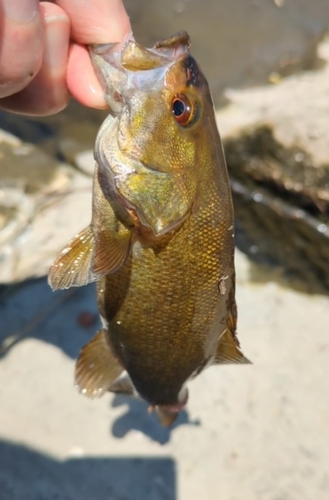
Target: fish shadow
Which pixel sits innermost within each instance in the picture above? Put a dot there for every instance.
(67, 319)
(137, 418)
(32, 310)
(26, 474)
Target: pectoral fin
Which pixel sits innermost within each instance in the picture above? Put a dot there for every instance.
(111, 251)
(228, 350)
(97, 367)
(86, 258)
(72, 266)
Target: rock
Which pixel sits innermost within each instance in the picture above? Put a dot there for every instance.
(85, 161)
(43, 203)
(278, 158)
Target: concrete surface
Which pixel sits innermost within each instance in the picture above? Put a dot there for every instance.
(257, 432)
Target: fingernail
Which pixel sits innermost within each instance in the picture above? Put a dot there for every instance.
(97, 98)
(56, 42)
(20, 10)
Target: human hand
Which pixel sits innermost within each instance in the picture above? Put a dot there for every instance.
(44, 56)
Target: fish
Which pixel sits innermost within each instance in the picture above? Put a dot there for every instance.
(160, 245)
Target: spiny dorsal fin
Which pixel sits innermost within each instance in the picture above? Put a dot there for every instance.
(97, 367)
(111, 251)
(72, 266)
(228, 350)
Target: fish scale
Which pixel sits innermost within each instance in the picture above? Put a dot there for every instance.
(169, 328)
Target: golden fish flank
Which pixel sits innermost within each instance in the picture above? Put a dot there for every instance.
(160, 244)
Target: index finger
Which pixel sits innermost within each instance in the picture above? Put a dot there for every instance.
(97, 21)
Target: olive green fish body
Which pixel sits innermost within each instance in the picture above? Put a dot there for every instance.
(164, 309)
(161, 241)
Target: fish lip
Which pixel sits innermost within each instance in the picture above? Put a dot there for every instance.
(106, 49)
(112, 52)
(100, 49)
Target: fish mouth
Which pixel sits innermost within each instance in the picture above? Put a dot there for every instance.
(127, 182)
(130, 55)
(122, 67)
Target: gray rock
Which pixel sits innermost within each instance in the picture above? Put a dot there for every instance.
(85, 161)
(278, 158)
(43, 203)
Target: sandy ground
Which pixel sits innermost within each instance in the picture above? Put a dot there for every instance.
(255, 432)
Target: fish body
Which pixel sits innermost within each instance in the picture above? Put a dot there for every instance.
(161, 241)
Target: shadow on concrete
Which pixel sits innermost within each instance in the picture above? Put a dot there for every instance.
(138, 418)
(26, 474)
(32, 310)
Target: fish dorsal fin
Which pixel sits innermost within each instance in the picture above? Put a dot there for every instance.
(97, 367)
(72, 266)
(111, 251)
(228, 350)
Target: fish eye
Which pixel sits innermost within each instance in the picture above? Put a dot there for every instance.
(182, 109)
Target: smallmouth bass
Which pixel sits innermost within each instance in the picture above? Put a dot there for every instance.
(161, 241)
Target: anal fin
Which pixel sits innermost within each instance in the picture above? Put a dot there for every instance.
(72, 267)
(228, 350)
(97, 367)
